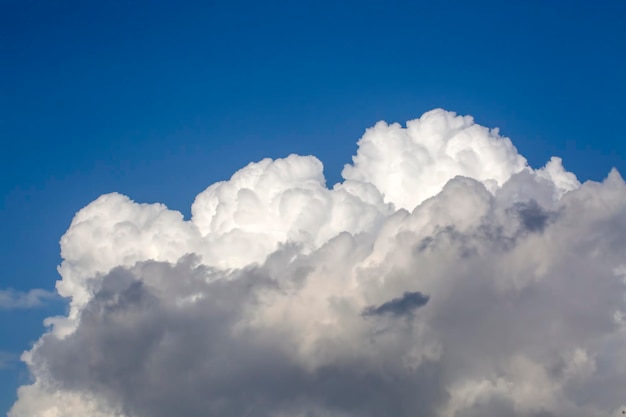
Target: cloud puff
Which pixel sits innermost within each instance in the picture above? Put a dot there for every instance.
(12, 299)
(443, 277)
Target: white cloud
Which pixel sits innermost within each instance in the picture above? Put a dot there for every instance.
(411, 164)
(12, 299)
(444, 277)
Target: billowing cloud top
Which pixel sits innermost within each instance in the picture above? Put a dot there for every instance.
(443, 277)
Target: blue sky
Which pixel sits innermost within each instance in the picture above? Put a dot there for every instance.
(157, 100)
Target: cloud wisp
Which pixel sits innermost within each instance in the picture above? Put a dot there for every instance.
(284, 298)
(11, 299)
(8, 360)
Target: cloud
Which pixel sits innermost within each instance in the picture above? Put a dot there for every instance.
(12, 299)
(262, 303)
(7, 360)
(398, 306)
(534, 218)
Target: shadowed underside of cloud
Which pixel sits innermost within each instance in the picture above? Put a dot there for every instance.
(400, 306)
(264, 303)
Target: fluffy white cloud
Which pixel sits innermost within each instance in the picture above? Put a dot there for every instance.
(443, 278)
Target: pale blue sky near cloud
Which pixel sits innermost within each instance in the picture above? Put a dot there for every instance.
(157, 100)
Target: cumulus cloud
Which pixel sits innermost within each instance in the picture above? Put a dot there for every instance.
(443, 277)
(12, 299)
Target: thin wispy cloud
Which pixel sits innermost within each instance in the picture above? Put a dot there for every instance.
(12, 299)
(8, 360)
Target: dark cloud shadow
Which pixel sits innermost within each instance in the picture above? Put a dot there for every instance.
(409, 302)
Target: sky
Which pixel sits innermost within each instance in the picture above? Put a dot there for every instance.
(159, 100)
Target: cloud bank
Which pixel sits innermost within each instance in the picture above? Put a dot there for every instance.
(443, 277)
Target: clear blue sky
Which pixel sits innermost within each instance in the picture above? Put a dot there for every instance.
(158, 99)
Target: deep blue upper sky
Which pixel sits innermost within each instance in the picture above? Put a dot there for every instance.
(158, 99)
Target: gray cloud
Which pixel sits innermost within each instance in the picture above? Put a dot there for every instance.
(534, 218)
(160, 339)
(139, 349)
(400, 306)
